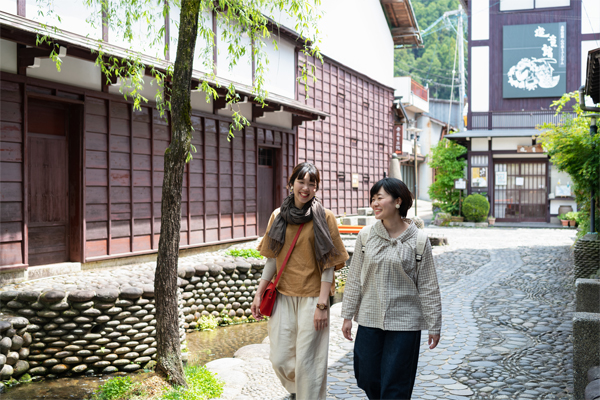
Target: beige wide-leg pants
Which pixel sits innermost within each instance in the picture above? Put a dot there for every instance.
(298, 351)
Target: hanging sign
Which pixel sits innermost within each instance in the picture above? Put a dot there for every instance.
(398, 139)
(460, 184)
(530, 149)
(355, 180)
(534, 60)
(479, 177)
(501, 178)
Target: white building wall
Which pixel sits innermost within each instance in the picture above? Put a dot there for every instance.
(241, 72)
(73, 15)
(590, 16)
(480, 20)
(480, 79)
(280, 73)
(356, 34)
(8, 56)
(9, 6)
(429, 138)
(73, 71)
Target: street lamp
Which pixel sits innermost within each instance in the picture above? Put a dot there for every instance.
(414, 135)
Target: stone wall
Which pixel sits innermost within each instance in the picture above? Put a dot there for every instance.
(104, 321)
(586, 337)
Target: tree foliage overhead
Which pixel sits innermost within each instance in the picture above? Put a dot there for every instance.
(448, 166)
(433, 63)
(573, 150)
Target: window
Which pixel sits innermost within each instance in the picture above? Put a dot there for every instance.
(266, 157)
(515, 5)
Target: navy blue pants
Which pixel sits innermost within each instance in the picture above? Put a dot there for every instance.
(385, 362)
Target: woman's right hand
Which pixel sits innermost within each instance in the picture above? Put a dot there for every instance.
(347, 329)
(255, 307)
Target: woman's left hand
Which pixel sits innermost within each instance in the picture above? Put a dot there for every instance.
(433, 341)
(320, 319)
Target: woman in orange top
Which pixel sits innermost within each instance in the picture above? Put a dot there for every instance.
(299, 324)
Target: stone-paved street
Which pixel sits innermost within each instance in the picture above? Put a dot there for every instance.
(507, 299)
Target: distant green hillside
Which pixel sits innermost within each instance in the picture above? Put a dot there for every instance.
(433, 63)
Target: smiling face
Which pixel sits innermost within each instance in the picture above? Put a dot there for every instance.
(384, 205)
(304, 190)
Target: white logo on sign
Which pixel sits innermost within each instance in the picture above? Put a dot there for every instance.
(529, 73)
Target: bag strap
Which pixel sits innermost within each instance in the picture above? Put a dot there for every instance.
(287, 257)
(421, 241)
(369, 230)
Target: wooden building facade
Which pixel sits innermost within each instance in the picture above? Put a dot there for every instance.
(82, 174)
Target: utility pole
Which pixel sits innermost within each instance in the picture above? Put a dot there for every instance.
(461, 68)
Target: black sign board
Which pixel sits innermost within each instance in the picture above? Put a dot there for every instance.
(534, 60)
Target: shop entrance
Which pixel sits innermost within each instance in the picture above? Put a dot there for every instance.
(520, 191)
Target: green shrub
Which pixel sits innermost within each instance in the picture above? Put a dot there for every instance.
(207, 323)
(244, 253)
(476, 208)
(562, 217)
(115, 388)
(202, 385)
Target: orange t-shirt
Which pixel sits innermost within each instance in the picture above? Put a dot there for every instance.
(302, 276)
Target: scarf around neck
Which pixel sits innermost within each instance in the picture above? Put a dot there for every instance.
(312, 211)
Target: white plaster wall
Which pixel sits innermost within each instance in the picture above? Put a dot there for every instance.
(555, 204)
(355, 33)
(586, 46)
(198, 102)
(552, 3)
(203, 54)
(73, 15)
(241, 72)
(429, 138)
(508, 5)
(8, 56)
(149, 89)
(590, 16)
(73, 71)
(510, 143)
(279, 74)
(480, 79)
(479, 144)
(145, 36)
(244, 109)
(480, 19)
(279, 119)
(9, 6)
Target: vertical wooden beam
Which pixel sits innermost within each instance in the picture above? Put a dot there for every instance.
(245, 194)
(152, 232)
(83, 180)
(108, 195)
(25, 166)
(189, 208)
(104, 23)
(215, 41)
(204, 178)
(167, 32)
(132, 235)
(219, 178)
(21, 8)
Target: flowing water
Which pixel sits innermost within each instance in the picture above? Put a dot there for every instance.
(203, 347)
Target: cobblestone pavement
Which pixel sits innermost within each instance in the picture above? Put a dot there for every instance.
(508, 299)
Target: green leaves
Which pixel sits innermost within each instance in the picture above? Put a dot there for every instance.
(445, 160)
(573, 150)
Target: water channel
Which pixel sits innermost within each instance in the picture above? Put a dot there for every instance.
(203, 347)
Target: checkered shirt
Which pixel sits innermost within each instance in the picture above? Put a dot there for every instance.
(396, 294)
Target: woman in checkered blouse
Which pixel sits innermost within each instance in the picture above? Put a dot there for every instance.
(391, 296)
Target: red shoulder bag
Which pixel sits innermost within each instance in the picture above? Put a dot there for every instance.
(267, 301)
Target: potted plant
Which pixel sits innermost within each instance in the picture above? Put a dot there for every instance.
(563, 219)
(572, 218)
(491, 220)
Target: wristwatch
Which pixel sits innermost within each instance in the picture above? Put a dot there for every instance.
(322, 306)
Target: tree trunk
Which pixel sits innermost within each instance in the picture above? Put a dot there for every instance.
(165, 281)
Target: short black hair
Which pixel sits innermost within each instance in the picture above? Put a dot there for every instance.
(300, 172)
(397, 189)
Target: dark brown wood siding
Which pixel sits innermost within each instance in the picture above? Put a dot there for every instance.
(571, 15)
(355, 139)
(12, 150)
(123, 165)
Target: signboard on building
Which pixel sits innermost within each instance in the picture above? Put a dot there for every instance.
(534, 60)
(501, 178)
(354, 181)
(460, 184)
(398, 139)
(479, 177)
(530, 149)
